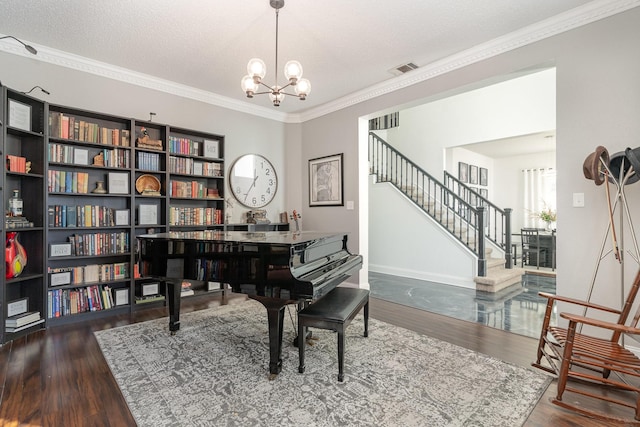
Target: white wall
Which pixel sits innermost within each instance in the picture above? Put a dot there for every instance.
(519, 106)
(403, 240)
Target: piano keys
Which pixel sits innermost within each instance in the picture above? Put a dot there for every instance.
(275, 268)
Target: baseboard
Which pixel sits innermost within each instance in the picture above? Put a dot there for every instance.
(463, 282)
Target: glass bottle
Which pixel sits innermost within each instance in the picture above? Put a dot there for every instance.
(15, 204)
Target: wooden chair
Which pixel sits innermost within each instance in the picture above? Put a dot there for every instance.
(597, 367)
(531, 246)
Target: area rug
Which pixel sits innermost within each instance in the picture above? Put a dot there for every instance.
(214, 372)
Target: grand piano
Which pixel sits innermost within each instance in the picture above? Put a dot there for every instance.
(275, 268)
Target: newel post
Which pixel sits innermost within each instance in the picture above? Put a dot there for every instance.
(482, 260)
(507, 238)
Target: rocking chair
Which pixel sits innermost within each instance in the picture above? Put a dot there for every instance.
(573, 355)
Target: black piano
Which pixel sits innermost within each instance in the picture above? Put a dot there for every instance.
(275, 268)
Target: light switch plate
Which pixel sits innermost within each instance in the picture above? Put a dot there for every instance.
(578, 200)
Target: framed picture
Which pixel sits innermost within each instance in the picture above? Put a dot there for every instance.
(484, 193)
(80, 156)
(484, 177)
(463, 172)
(473, 174)
(211, 149)
(326, 181)
(147, 215)
(122, 217)
(19, 115)
(17, 307)
(118, 183)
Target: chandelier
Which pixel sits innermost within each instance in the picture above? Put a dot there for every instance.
(292, 71)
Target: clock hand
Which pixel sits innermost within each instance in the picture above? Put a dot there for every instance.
(255, 178)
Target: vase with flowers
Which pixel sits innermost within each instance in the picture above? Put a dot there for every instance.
(548, 216)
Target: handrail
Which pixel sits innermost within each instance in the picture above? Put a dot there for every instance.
(453, 210)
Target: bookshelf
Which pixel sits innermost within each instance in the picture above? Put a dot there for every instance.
(196, 180)
(22, 134)
(91, 183)
(89, 214)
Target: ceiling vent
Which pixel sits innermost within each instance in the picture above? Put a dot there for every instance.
(404, 68)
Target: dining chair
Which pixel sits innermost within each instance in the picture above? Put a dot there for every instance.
(531, 246)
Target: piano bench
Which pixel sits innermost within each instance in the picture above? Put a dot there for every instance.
(334, 311)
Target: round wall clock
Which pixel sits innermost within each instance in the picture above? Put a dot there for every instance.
(253, 180)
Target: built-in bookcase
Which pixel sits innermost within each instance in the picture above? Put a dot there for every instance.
(91, 183)
(89, 214)
(22, 134)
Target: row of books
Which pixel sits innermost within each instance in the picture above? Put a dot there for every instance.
(187, 166)
(21, 321)
(107, 243)
(194, 216)
(70, 127)
(184, 146)
(148, 161)
(67, 182)
(92, 273)
(16, 163)
(192, 189)
(80, 216)
(114, 158)
(208, 269)
(65, 302)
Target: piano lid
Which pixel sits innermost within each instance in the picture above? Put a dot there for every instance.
(265, 237)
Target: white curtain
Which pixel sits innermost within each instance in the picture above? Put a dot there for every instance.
(539, 194)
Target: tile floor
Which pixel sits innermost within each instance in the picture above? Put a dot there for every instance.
(517, 309)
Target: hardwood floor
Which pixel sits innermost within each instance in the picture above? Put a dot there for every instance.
(59, 377)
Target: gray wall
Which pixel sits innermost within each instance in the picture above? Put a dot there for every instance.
(598, 103)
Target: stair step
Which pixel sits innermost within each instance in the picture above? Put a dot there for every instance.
(499, 279)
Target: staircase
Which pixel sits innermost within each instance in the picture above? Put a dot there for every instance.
(480, 226)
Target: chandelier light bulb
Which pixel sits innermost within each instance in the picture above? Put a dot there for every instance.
(303, 88)
(249, 86)
(276, 96)
(293, 71)
(256, 69)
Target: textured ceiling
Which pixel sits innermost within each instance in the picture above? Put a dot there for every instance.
(344, 45)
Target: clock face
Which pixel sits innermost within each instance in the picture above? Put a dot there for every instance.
(253, 180)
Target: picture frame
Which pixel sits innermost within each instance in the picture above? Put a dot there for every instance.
(122, 217)
(326, 181)
(211, 148)
(147, 215)
(473, 174)
(121, 296)
(19, 115)
(463, 172)
(118, 182)
(484, 193)
(484, 176)
(18, 306)
(80, 156)
(59, 249)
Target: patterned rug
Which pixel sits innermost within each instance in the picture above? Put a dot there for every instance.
(214, 372)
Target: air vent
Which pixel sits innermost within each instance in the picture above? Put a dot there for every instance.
(404, 68)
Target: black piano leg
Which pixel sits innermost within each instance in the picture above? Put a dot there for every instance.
(173, 294)
(276, 323)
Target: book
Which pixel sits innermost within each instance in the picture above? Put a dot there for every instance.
(150, 298)
(22, 319)
(186, 289)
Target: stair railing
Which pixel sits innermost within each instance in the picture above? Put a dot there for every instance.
(453, 210)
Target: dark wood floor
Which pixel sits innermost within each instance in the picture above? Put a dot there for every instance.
(59, 377)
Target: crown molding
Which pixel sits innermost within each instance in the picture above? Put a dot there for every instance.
(591, 12)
